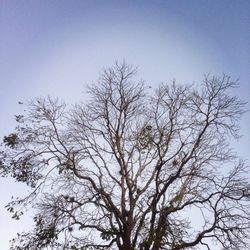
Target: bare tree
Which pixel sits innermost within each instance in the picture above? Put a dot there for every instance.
(132, 168)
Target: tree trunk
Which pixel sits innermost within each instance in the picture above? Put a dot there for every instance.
(126, 242)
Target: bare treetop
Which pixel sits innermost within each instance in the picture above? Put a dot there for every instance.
(131, 168)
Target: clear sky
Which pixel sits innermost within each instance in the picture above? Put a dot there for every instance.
(56, 47)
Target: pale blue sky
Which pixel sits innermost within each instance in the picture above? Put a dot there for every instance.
(56, 47)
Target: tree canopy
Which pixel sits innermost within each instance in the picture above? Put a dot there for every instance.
(132, 167)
